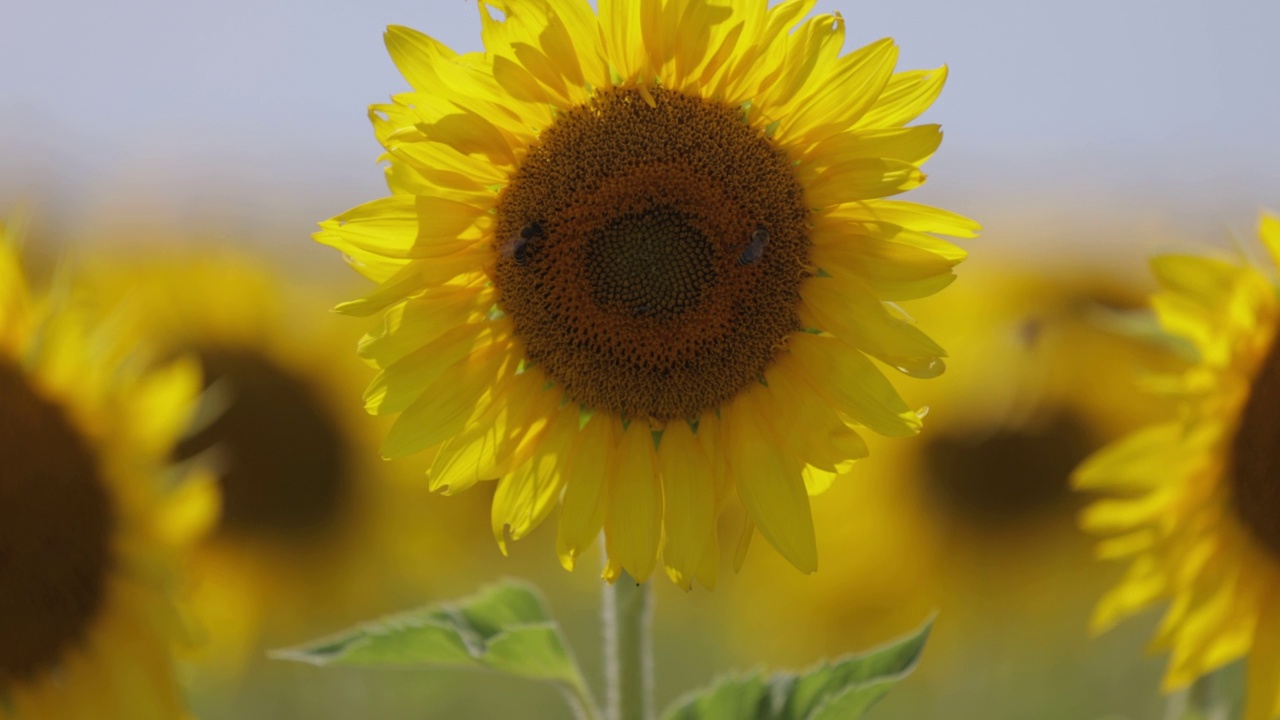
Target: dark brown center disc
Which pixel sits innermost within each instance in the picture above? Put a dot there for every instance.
(55, 532)
(1255, 460)
(1011, 474)
(286, 462)
(650, 256)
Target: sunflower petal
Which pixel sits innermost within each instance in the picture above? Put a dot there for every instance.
(770, 484)
(527, 495)
(905, 97)
(586, 494)
(634, 525)
(858, 387)
(689, 512)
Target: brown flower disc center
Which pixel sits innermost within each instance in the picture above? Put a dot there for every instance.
(650, 256)
(1255, 471)
(287, 469)
(55, 532)
(1007, 475)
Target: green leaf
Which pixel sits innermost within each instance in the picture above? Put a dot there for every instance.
(532, 651)
(730, 698)
(840, 690)
(504, 627)
(847, 687)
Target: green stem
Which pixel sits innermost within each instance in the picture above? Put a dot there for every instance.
(628, 647)
(1202, 701)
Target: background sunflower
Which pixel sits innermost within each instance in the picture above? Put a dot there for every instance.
(315, 531)
(1191, 502)
(93, 519)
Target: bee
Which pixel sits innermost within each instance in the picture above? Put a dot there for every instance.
(755, 246)
(520, 244)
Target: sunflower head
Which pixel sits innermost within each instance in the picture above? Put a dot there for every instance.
(1192, 502)
(92, 519)
(310, 533)
(268, 425)
(639, 262)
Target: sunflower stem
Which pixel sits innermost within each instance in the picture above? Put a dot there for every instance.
(1202, 701)
(628, 649)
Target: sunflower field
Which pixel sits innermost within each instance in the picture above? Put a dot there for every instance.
(630, 369)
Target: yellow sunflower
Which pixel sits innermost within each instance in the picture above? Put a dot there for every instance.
(1192, 503)
(311, 533)
(640, 262)
(92, 519)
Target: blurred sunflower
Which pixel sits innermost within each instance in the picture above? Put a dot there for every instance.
(975, 516)
(639, 262)
(309, 534)
(1193, 502)
(92, 517)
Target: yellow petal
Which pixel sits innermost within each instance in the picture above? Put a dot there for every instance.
(583, 28)
(618, 26)
(1142, 585)
(586, 494)
(634, 525)
(815, 433)
(526, 496)
(471, 135)
(191, 510)
(856, 386)
(417, 56)
(852, 313)
(441, 413)
(709, 568)
(1269, 232)
(1121, 515)
(817, 481)
(413, 277)
(485, 448)
(811, 50)
(1137, 463)
(161, 404)
(861, 179)
(697, 31)
(913, 216)
(912, 145)
(905, 97)
(895, 263)
(1210, 282)
(387, 227)
(421, 320)
(769, 482)
(689, 511)
(402, 382)
(853, 88)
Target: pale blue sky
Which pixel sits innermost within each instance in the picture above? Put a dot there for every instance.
(1063, 120)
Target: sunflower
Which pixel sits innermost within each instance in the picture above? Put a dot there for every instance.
(93, 519)
(309, 535)
(1192, 502)
(641, 262)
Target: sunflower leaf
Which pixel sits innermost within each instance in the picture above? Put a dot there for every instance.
(728, 698)
(847, 687)
(839, 690)
(504, 627)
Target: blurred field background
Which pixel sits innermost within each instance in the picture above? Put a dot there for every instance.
(181, 155)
